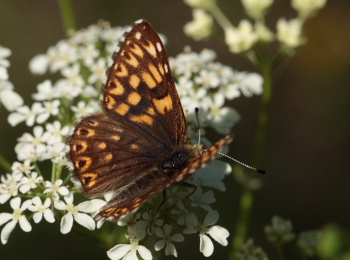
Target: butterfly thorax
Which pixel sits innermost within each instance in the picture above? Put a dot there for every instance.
(178, 159)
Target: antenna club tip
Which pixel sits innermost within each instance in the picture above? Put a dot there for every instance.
(261, 171)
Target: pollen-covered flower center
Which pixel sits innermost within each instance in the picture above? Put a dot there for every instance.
(41, 208)
(17, 213)
(54, 188)
(72, 209)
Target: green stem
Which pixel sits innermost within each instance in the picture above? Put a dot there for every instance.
(247, 199)
(241, 229)
(67, 15)
(220, 16)
(280, 253)
(5, 164)
(264, 114)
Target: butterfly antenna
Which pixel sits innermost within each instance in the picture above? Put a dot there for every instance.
(243, 164)
(196, 110)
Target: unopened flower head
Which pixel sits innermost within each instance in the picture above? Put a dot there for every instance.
(290, 33)
(309, 241)
(256, 8)
(250, 251)
(308, 8)
(280, 231)
(201, 26)
(242, 38)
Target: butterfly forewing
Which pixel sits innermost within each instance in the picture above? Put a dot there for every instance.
(140, 89)
(138, 146)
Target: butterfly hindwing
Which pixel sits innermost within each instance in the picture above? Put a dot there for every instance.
(107, 155)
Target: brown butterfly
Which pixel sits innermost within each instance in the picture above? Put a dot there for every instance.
(138, 146)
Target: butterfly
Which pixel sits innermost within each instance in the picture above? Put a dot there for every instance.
(138, 146)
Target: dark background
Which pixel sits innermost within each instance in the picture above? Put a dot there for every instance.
(307, 146)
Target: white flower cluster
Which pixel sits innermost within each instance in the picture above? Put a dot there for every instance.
(204, 83)
(8, 97)
(81, 62)
(247, 35)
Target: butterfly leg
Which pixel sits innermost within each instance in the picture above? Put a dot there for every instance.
(189, 185)
(155, 213)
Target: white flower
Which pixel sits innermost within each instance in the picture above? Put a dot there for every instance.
(57, 131)
(200, 199)
(200, 3)
(201, 26)
(182, 211)
(33, 144)
(24, 167)
(73, 75)
(39, 64)
(4, 53)
(55, 189)
(89, 53)
(30, 183)
(61, 55)
(241, 39)
(289, 33)
(9, 186)
(65, 90)
(45, 91)
(151, 222)
(249, 83)
(256, 8)
(8, 97)
(24, 113)
(307, 8)
(41, 210)
(74, 213)
(15, 217)
(207, 79)
(219, 234)
(167, 240)
(129, 252)
(222, 118)
(82, 109)
(212, 175)
(98, 71)
(50, 108)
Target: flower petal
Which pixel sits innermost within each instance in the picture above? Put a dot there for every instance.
(219, 234)
(159, 245)
(177, 238)
(48, 215)
(66, 223)
(145, 253)
(170, 249)
(60, 205)
(6, 231)
(206, 246)
(24, 224)
(85, 220)
(211, 218)
(118, 251)
(15, 203)
(37, 217)
(4, 217)
(131, 256)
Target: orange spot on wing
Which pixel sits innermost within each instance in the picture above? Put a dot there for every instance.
(155, 73)
(142, 119)
(163, 104)
(122, 109)
(134, 98)
(147, 78)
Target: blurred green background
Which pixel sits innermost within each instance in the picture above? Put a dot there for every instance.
(307, 149)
